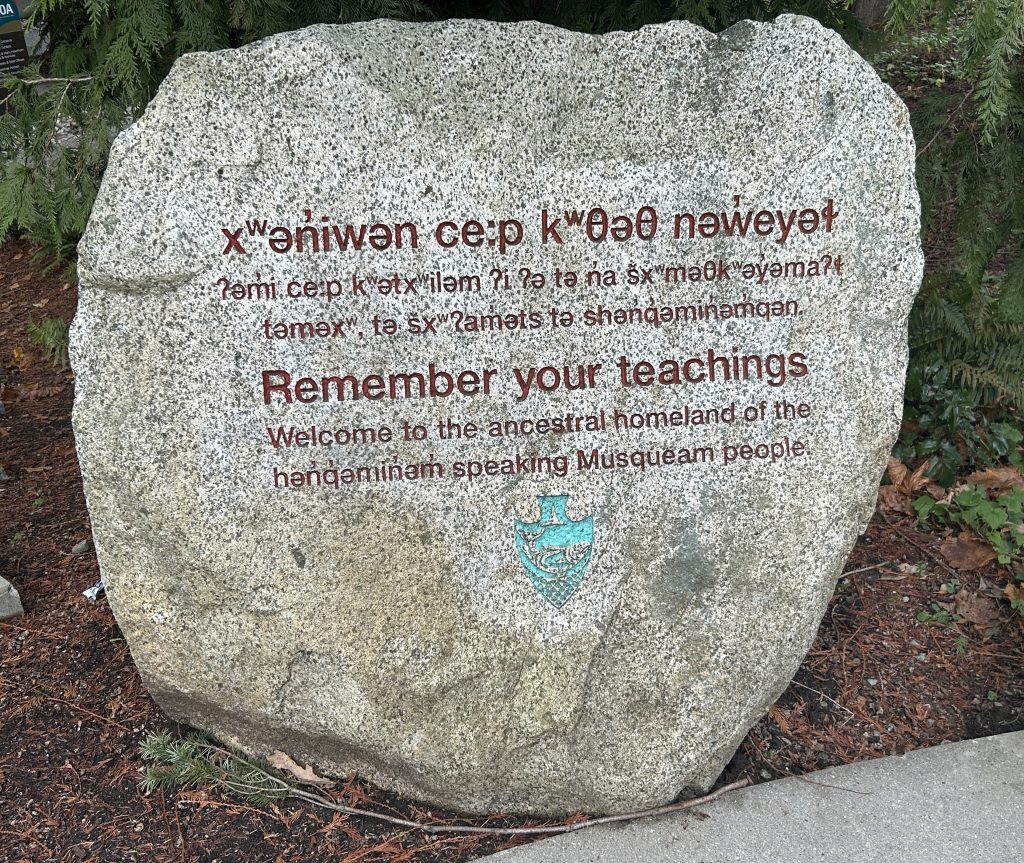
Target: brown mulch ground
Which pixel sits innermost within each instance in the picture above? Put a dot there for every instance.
(73, 711)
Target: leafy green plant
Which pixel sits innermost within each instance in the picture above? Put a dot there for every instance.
(998, 520)
(946, 425)
(52, 337)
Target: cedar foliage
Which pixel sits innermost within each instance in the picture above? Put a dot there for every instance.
(969, 317)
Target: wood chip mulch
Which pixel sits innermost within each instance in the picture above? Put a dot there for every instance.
(73, 710)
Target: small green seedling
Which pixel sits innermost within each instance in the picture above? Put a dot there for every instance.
(938, 614)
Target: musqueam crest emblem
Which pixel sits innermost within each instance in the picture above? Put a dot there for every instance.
(555, 550)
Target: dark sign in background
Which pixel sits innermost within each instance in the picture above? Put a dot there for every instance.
(13, 53)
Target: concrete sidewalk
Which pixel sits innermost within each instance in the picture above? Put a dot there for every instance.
(959, 802)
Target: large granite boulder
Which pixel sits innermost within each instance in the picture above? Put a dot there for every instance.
(490, 409)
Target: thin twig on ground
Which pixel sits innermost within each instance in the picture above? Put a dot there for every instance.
(324, 802)
(525, 831)
(783, 772)
(925, 551)
(823, 695)
(866, 568)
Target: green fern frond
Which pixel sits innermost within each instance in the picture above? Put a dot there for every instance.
(52, 337)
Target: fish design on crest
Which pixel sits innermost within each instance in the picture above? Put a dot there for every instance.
(555, 550)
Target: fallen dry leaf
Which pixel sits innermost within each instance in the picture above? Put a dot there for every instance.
(977, 609)
(892, 499)
(966, 552)
(998, 480)
(903, 480)
(905, 486)
(41, 392)
(282, 761)
(897, 471)
(21, 359)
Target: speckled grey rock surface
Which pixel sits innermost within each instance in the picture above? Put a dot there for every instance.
(540, 640)
(10, 601)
